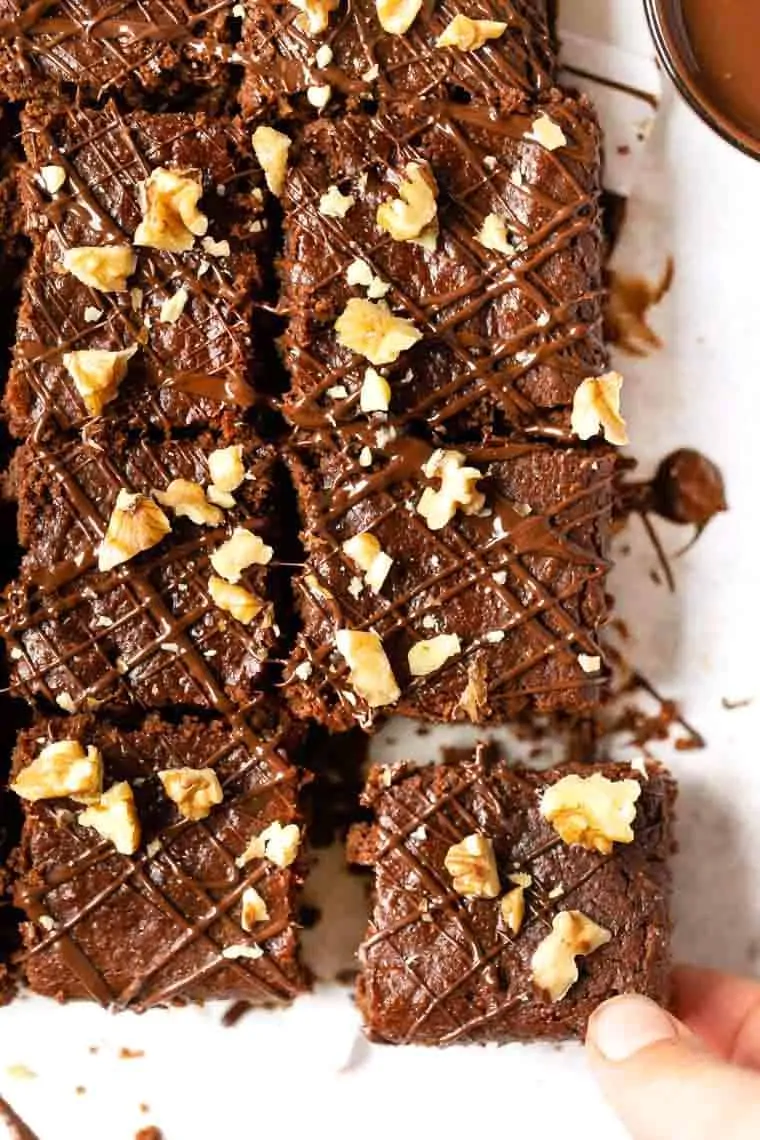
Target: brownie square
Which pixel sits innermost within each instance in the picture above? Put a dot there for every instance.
(510, 591)
(134, 48)
(503, 339)
(442, 966)
(7, 916)
(365, 62)
(187, 367)
(146, 632)
(163, 924)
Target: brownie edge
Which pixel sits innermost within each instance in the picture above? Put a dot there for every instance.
(439, 967)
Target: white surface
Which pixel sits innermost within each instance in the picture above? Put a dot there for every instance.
(308, 1068)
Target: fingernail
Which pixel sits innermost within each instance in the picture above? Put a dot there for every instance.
(625, 1025)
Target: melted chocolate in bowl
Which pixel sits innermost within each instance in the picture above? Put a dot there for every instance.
(711, 49)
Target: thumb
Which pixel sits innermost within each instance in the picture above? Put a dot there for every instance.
(663, 1082)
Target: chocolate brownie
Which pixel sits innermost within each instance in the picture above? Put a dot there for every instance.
(134, 47)
(473, 580)
(102, 184)
(493, 336)
(288, 48)
(478, 865)
(160, 895)
(106, 609)
(7, 918)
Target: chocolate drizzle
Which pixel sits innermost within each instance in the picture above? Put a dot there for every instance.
(507, 340)
(522, 584)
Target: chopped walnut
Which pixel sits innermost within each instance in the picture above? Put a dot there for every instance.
(97, 374)
(242, 550)
(370, 671)
(370, 329)
(333, 204)
(324, 56)
(171, 218)
(103, 267)
(271, 149)
(470, 35)
(242, 604)
(521, 879)
(493, 235)
(188, 500)
(253, 909)
(233, 952)
(592, 811)
(375, 395)
(281, 843)
(366, 552)
(64, 768)
(588, 663)
(457, 491)
(553, 963)
(428, 656)
(173, 307)
(216, 248)
(472, 866)
(397, 16)
(136, 524)
(596, 407)
(406, 217)
(219, 498)
(474, 700)
(226, 467)
(195, 791)
(52, 178)
(315, 15)
(114, 816)
(546, 132)
(359, 273)
(319, 96)
(512, 908)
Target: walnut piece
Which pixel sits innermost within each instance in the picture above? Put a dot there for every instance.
(428, 656)
(104, 267)
(596, 407)
(457, 490)
(281, 843)
(370, 671)
(333, 204)
(472, 866)
(242, 604)
(253, 909)
(546, 132)
(195, 791)
(474, 700)
(493, 235)
(553, 963)
(64, 768)
(397, 16)
(319, 96)
(171, 218)
(271, 149)
(52, 178)
(136, 524)
(226, 467)
(405, 217)
(97, 374)
(234, 952)
(512, 908)
(188, 500)
(114, 816)
(173, 307)
(588, 663)
(241, 550)
(470, 35)
(366, 552)
(375, 395)
(315, 15)
(592, 811)
(370, 329)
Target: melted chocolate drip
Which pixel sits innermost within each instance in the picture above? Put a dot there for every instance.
(17, 1130)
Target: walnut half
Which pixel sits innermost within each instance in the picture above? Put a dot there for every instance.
(596, 408)
(171, 218)
(592, 811)
(553, 963)
(136, 525)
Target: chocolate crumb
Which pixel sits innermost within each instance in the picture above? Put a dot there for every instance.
(130, 1054)
(235, 1012)
(731, 705)
(149, 1133)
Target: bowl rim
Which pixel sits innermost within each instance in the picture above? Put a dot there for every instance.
(672, 58)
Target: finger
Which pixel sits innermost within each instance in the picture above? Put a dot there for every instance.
(722, 1010)
(663, 1082)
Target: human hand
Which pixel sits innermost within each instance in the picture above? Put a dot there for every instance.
(693, 1075)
